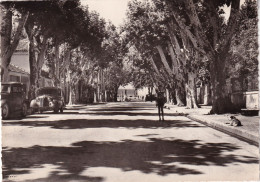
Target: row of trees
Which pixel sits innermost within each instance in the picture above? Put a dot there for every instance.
(178, 41)
(163, 43)
(74, 43)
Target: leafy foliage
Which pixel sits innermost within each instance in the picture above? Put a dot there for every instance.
(243, 61)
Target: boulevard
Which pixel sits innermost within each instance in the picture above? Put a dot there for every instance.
(121, 141)
(74, 73)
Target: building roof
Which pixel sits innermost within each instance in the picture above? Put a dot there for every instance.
(17, 69)
(128, 86)
(12, 83)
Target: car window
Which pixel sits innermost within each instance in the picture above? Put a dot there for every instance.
(16, 89)
(5, 88)
(55, 92)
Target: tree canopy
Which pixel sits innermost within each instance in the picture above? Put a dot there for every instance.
(163, 43)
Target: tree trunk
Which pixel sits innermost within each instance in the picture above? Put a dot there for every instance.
(180, 95)
(174, 59)
(173, 97)
(106, 96)
(164, 60)
(95, 97)
(149, 90)
(191, 96)
(167, 96)
(154, 66)
(6, 30)
(41, 56)
(8, 47)
(57, 64)
(33, 71)
(115, 97)
(207, 97)
(32, 62)
(4, 70)
(71, 102)
(221, 102)
(32, 59)
(98, 93)
(115, 93)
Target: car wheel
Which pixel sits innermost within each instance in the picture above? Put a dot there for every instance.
(61, 110)
(24, 109)
(56, 110)
(40, 111)
(5, 111)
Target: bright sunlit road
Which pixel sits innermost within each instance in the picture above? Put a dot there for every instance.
(121, 142)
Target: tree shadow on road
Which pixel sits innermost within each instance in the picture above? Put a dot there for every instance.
(157, 156)
(102, 109)
(109, 113)
(132, 114)
(107, 123)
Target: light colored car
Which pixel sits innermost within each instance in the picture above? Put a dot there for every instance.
(48, 98)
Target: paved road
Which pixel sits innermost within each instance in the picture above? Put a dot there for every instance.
(121, 142)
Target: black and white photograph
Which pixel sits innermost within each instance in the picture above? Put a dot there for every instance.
(129, 90)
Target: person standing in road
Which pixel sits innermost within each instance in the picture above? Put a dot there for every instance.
(160, 101)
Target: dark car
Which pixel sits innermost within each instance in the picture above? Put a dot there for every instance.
(48, 98)
(150, 97)
(13, 99)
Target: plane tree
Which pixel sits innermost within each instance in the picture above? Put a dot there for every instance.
(201, 23)
(88, 39)
(243, 62)
(116, 70)
(146, 38)
(43, 34)
(10, 35)
(69, 27)
(171, 52)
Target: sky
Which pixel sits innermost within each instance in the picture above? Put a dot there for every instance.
(227, 9)
(115, 10)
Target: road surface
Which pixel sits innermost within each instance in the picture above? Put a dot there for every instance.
(121, 142)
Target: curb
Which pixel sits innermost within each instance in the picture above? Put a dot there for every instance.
(243, 135)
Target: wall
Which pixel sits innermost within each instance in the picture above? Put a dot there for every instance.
(204, 95)
(143, 92)
(21, 59)
(238, 99)
(252, 99)
(248, 100)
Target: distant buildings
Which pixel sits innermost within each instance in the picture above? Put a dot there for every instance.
(129, 93)
(19, 68)
(17, 74)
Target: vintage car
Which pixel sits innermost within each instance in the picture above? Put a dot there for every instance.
(48, 98)
(13, 99)
(150, 97)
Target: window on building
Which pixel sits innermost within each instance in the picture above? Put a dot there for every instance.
(14, 78)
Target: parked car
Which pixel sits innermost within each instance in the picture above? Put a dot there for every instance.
(48, 98)
(13, 99)
(150, 97)
(133, 98)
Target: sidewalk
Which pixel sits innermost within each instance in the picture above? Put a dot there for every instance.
(248, 132)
